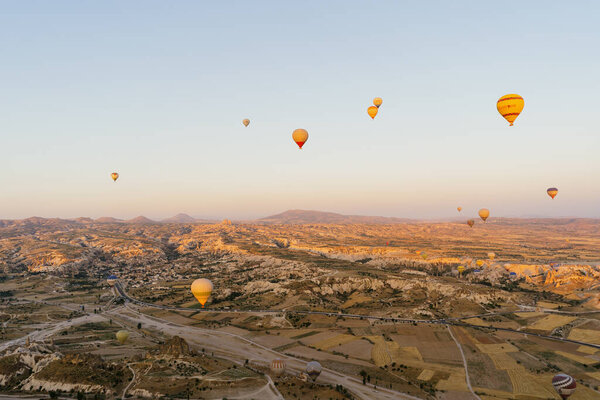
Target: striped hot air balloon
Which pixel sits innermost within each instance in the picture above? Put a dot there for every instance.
(278, 366)
(510, 106)
(552, 192)
(564, 384)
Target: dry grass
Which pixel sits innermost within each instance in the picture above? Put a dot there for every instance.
(551, 322)
(497, 348)
(337, 340)
(575, 357)
(585, 335)
(426, 375)
(380, 354)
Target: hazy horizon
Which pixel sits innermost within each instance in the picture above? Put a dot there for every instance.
(157, 92)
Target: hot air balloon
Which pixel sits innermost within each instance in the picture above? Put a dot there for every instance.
(491, 255)
(552, 192)
(564, 384)
(122, 336)
(461, 269)
(471, 222)
(459, 209)
(510, 106)
(313, 369)
(418, 252)
(300, 136)
(484, 213)
(479, 263)
(424, 256)
(246, 121)
(111, 280)
(372, 111)
(201, 289)
(278, 366)
(114, 176)
(377, 102)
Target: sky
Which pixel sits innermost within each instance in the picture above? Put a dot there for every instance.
(157, 91)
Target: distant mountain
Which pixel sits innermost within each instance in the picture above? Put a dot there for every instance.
(180, 218)
(140, 220)
(108, 220)
(321, 217)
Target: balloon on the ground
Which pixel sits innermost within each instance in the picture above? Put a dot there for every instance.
(564, 385)
(510, 106)
(114, 176)
(313, 369)
(484, 213)
(202, 289)
(491, 255)
(461, 269)
(471, 222)
(300, 136)
(372, 111)
(278, 366)
(111, 280)
(479, 263)
(552, 192)
(122, 336)
(246, 122)
(377, 102)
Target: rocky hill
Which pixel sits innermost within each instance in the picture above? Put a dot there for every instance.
(321, 217)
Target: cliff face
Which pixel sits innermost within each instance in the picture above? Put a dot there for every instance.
(175, 347)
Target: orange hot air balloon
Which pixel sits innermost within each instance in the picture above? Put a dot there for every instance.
(114, 176)
(202, 289)
(471, 222)
(372, 111)
(459, 209)
(300, 136)
(484, 213)
(552, 192)
(479, 263)
(377, 102)
(510, 106)
(246, 122)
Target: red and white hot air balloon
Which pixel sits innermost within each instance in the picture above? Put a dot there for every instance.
(564, 385)
(278, 366)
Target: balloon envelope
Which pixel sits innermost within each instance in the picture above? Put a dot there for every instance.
(461, 269)
(491, 255)
(471, 222)
(246, 122)
(300, 136)
(313, 369)
(510, 106)
(377, 102)
(122, 336)
(552, 192)
(459, 209)
(202, 289)
(484, 213)
(564, 385)
(372, 111)
(114, 176)
(278, 366)
(479, 263)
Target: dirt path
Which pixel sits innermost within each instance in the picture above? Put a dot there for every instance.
(464, 363)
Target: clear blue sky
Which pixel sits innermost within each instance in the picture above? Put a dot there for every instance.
(157, 90)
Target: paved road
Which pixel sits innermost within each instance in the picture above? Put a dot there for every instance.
(445, 321)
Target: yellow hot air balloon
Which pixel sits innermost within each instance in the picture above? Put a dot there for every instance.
(300, 136)
(510, 106)
(484, 213)
(122, 336)
(246, 122)
(424, 256)
(552, 192)
(479, 263)
(372, 111)
(114, 176)
(461, 269)
(471, 222)
(491, 255)
(459, 209)
(202, 289)
(377, 102)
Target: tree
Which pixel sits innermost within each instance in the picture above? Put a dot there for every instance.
(139, 326)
